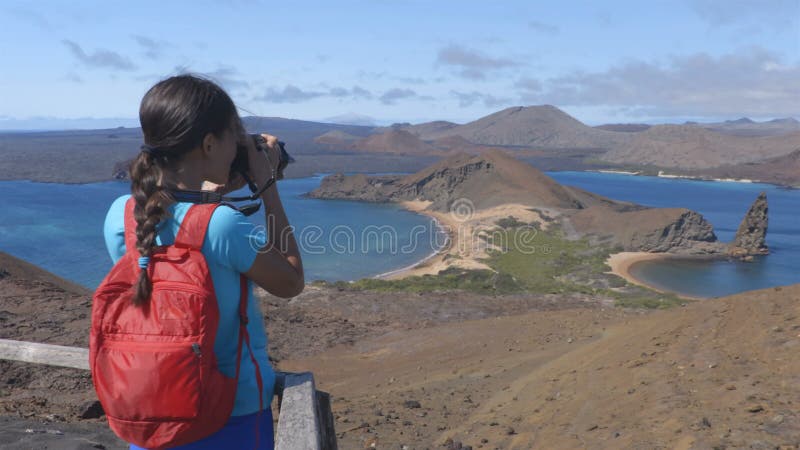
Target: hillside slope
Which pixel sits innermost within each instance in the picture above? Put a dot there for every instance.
(720, 373)
(691, 147)
(531, 126)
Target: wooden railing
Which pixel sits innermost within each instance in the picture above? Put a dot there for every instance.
(305, 421)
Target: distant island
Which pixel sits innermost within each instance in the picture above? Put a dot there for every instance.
(542, 135)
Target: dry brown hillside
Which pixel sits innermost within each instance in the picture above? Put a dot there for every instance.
(782, 169)
(531, 126)
(494, 372)
(394, 141)
(489, 179)
(336, 139)
(692, 147)
(719, 373)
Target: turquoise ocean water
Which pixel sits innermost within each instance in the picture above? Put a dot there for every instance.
(60, 227)
(724, 205)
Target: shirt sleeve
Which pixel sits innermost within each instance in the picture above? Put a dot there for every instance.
(114, 229)
(233, 240)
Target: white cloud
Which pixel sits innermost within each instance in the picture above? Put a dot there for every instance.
(472, 64)
(466, 99)
(152, 49)
(391, 96)
(293, 94)
(753, 82)
(100, 58)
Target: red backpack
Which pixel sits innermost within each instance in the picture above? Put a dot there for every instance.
(153, 366)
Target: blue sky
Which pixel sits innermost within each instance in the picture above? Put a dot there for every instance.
(394, 60)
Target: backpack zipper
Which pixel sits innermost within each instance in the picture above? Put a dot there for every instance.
(196, 350)
(147, 346)
(180, 285)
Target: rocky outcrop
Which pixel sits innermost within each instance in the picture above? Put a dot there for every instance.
(751, 236)
(673, 230)
(357, 187)
(490, 179)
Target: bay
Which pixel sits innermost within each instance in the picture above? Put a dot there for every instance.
(59, 227)
(724, 205)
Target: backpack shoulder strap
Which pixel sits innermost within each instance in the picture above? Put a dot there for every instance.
(130, 226)
(194, 225)
(245, 336)
(192, 230)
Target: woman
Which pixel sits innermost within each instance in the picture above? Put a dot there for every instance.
(191, 132)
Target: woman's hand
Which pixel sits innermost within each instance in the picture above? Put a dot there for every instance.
(263, 166)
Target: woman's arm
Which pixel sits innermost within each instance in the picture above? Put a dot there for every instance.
(278, 267)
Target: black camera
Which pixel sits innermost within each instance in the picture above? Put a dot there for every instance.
(241, 167)
(240, 163)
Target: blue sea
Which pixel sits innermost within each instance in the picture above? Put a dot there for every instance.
(724, 205)
(59, 227)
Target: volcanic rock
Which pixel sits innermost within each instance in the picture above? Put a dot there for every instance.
(751, 236)
(676, 230)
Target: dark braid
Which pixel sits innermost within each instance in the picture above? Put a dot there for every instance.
(176, 114)
(152, 200)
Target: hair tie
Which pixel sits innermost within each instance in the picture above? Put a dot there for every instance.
(151, 150)
(143, 262)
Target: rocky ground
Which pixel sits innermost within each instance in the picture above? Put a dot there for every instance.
(720, 373)
(42, 405)
(450, 369)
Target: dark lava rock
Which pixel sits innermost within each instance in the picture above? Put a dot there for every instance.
(91, 410)
(752, 233)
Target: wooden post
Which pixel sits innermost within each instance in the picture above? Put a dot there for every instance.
(298, 427)
(305, 421)
(53, 355)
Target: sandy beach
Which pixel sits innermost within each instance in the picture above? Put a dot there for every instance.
(462, 249)
(621, 264)
(457, 252)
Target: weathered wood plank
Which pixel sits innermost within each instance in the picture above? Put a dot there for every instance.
(298, 423)
(52, 355)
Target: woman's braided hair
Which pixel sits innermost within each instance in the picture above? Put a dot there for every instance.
(176, 114)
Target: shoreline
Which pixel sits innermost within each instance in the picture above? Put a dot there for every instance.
(621, 264)
(321, 175)
(430, 264)
(440, 229)
(667, 176)
(459, 250)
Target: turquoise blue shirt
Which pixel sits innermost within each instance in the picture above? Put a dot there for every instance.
(230, 247)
